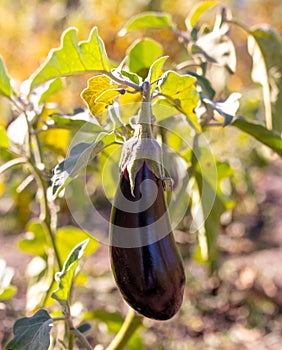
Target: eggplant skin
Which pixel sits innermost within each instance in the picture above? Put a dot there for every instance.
(150, 277)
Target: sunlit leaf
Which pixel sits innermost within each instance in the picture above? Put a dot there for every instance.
(265, 47)
(260, 133)
(32, 333)
(56, 139)
(75, 121)
(155, 71)
(8, 293)
(4, 139)
(180, 92)
(17, 130)
(227, 108)
(131, 76)
(69, 236)
(5, 81)
(35, 238)
(109, 169)
(142, 54)
(66, 276)
(73, 57)
(152, 19)
(216, 47)
(196, 12)
(208, 201)
(78, 159)
(97, 86)
(53, 87)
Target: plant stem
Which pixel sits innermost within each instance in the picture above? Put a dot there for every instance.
(130, 324)
(11, 164)
(81, 338)
(45, 210)
(145, 114)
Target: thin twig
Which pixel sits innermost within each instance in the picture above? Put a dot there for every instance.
(11, 164)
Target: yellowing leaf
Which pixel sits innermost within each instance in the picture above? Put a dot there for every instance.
(96, 87)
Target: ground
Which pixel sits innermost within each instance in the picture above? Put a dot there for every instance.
(239, 307)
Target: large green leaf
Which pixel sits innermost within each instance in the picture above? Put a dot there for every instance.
(208, 201)
(5, 81)
(32, 333)
(260, 133)
(265, 46)
(66, 276)
(73, 57)
(180, 92)
(155, 20)
(197, 11)
(142, 54)
(78, 159)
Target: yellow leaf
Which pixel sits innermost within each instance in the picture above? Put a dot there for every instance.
(97, 86)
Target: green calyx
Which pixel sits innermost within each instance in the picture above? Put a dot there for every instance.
(142, 146)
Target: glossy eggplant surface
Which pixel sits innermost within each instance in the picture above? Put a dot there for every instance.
(149, 270)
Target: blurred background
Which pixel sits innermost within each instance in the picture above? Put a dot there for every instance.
(242, 305)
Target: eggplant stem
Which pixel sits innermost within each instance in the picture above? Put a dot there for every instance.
(145, 114)
(129, 326)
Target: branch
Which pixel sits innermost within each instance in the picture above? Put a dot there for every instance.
(129, 326)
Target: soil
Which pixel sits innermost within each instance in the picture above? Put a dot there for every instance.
(239, 307)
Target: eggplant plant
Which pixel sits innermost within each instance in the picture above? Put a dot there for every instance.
(163, 115)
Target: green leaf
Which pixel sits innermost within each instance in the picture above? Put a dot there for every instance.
(32, 333)
(66, 276)
(114, 321)
(5, 81)
(227, 108)
(73, 57)
(35, 238)
(207, 89)
(217, 48)
(69, 236)
(4, 139)
(53, 87)
(155, 71)
(95, 88)
(155, 20)
(208, 201)
(260, 133)
(132, 77)
(8, 293)
(75, 122)
(196, 12)
(142, 54)
(79, 156)
(180, 92)
(265, 47)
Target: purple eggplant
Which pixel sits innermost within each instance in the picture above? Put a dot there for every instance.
(145, 261)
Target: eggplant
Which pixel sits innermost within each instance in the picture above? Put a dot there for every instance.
(145, 261)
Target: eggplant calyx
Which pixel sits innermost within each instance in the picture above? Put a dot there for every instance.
(135, 152)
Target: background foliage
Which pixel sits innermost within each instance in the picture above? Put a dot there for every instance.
(247, 305)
